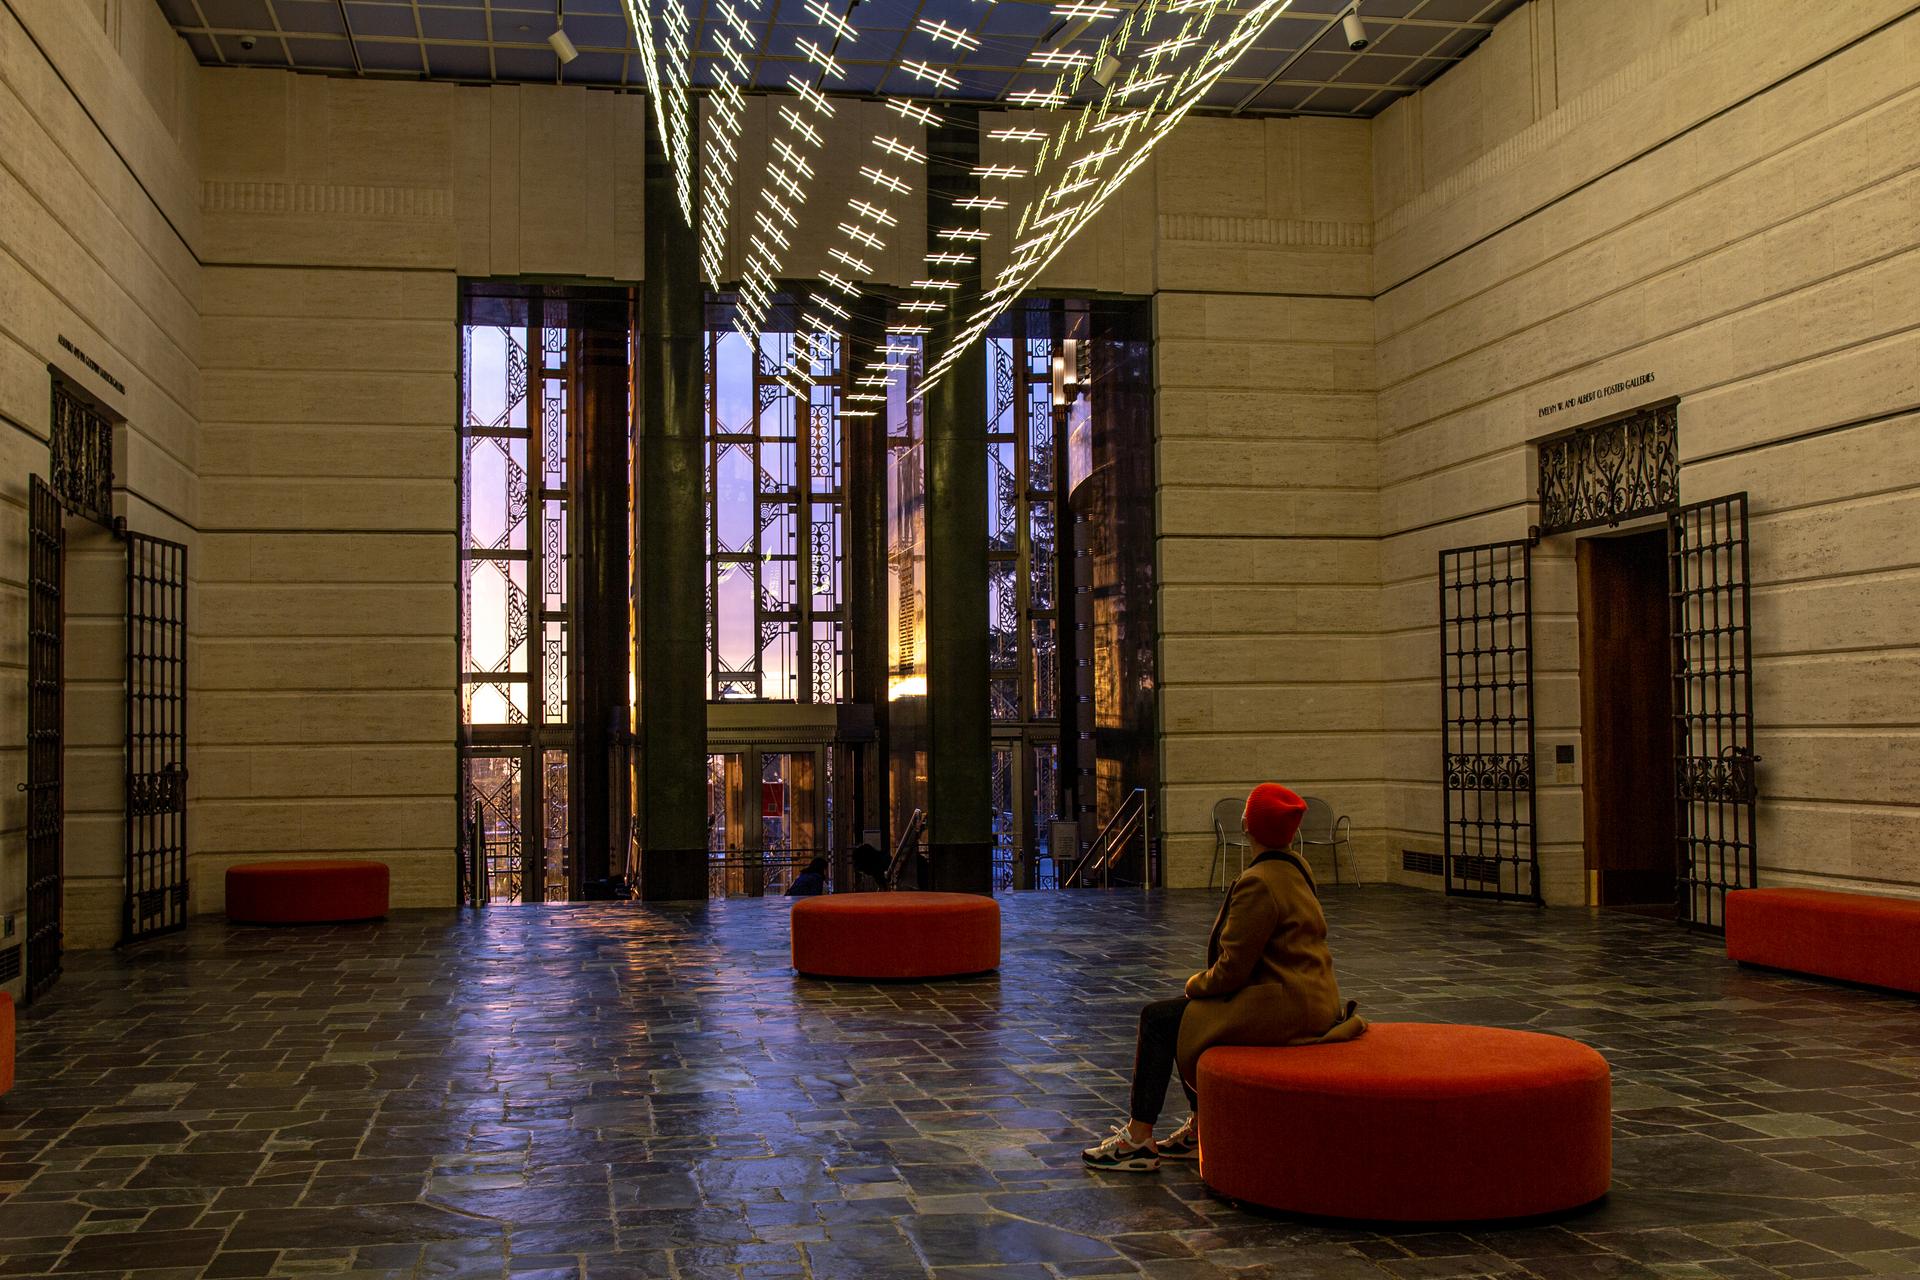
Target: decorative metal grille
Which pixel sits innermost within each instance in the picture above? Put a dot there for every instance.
(1022, 505)
(1715, 789)
(776, 513)
(82, 449)
(46, 806)
(1025, 479)
(516, 581)
(156, 791)
(1486, 684)
(493, 792)
(1615, 471)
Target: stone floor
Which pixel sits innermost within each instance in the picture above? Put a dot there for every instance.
(612, 1091)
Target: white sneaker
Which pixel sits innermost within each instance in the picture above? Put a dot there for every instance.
(1182, 1144)
(1122, 1155)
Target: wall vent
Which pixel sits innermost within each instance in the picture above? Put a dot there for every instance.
(1427, 864)
(10, 963)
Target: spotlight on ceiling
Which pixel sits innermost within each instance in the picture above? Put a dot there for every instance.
(1107, 71)
(563, 46)
(1356, 30)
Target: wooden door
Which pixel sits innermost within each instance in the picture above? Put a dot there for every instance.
(1626, 718)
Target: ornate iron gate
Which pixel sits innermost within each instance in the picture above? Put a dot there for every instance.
(1714, 784)
(46, 805)
(1486, 710)
(156, 737)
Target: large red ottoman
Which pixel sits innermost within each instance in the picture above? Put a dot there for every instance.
(1856, 937)
(326, 892)
(1412, 1122)
(896, 935)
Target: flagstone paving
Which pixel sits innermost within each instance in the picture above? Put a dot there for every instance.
(609, 1091)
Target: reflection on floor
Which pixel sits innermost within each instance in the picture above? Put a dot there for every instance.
(613, 1091)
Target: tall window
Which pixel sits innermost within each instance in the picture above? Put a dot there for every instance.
(1033, 386)
(776, 621)
(515, 596)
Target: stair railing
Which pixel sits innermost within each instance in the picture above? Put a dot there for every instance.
(1133, 818)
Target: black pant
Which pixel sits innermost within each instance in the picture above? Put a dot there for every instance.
(1153, 1056)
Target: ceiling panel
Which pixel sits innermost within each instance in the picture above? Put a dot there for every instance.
(1300, 64)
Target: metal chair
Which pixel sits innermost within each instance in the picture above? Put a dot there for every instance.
(1320, 829)
(1227, 835)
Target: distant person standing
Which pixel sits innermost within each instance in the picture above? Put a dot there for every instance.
(811, 882)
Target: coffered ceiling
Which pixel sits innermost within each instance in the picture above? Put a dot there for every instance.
(1302, 65)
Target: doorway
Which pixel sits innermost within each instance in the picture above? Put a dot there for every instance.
(1626, 719)
(766, 817)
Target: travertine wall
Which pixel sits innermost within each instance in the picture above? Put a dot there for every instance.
(97, 224)
(1268, 518)
(339, 216)
(1724, 196)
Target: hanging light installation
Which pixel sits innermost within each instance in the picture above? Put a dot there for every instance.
(1124, 76)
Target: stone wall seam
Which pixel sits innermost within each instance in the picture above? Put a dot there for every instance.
(1670, 55)
(325, 198)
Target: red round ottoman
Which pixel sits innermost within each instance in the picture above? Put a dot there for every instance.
(1412, 1122)
(896, 935)
(306, 892)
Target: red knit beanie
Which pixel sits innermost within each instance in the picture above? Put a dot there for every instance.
(1273, 815)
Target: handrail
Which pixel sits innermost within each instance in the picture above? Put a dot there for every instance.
(1115, 836)
(909, 843)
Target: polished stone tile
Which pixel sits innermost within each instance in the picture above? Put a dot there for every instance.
(615, 1092)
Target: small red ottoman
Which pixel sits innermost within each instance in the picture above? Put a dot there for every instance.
(306, 892)
(1412, 1122)
(1856, 937)
(896, 935)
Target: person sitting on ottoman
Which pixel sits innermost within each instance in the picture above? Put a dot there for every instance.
(1268, 981)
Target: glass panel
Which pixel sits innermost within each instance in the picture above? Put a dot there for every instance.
(490, 703)
(1003, 626)
(494, 603)
(1046, 809)
(496, 377)
(556, 870)
(495, 494)
(493, 783)
(775, 511)
(1005, 824)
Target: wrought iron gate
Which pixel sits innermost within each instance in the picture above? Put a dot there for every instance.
(1714, 785)
(46, 806)
(156, 737)
(1486, 710)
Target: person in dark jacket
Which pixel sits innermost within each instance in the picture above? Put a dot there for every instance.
(1269, 980)
(811, 881)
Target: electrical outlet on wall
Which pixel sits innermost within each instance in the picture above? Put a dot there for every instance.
(1566, 770)
(6, 925)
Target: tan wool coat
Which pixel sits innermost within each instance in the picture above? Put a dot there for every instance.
(1269, 977)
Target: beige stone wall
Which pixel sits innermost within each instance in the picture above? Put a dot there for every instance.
(1268, 516)
(97, 225)
(1725, 196)
(336, 234)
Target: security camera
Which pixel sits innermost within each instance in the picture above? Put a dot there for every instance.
(247, 43)
(1356, 30)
